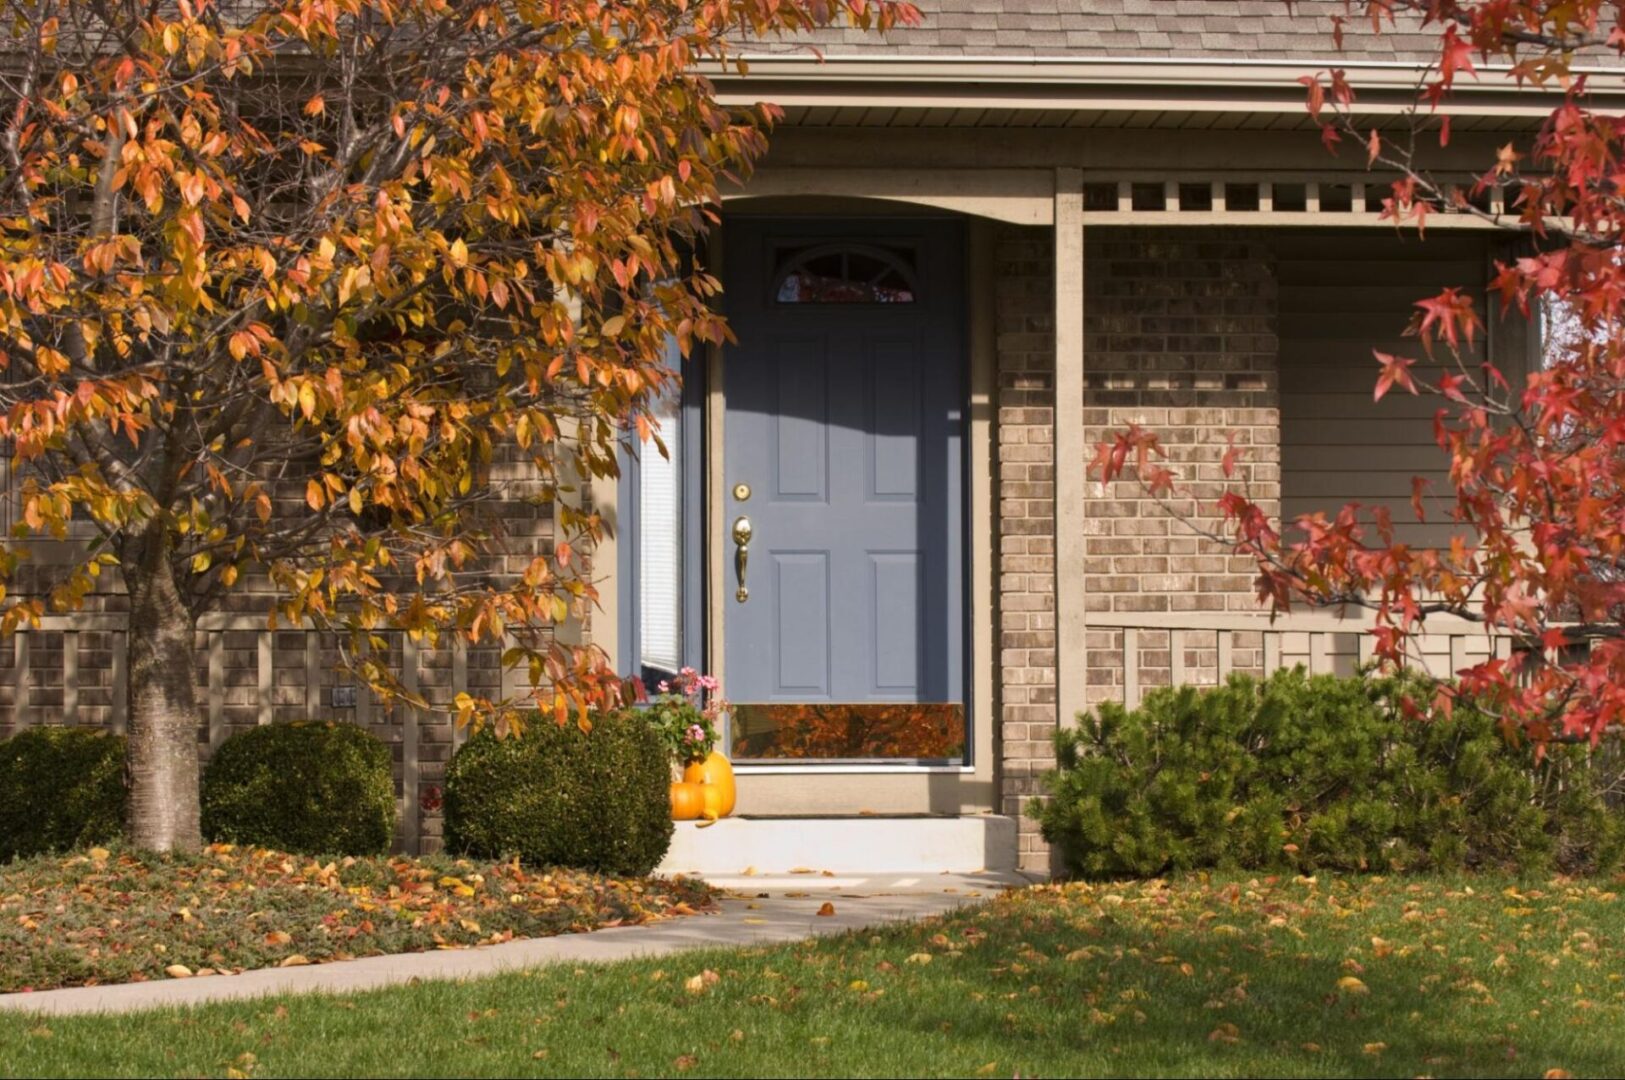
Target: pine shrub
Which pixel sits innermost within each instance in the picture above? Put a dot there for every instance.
(1299, 772)
(313, 787)
(559, 796)
(60, 788)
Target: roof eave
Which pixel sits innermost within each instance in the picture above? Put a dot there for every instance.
(1129, 82)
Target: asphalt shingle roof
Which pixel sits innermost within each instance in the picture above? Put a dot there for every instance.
(1186, 29)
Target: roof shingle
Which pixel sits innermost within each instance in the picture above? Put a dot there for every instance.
(1147, 29)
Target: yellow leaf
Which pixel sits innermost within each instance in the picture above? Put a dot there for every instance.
(919, 958)
(178, 971)
(99, 854)
(296, 960)
(1374, 1048)
(1350, 985)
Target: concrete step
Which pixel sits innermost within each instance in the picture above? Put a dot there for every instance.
(844, 845)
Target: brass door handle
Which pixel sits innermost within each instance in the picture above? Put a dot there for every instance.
(742, 533)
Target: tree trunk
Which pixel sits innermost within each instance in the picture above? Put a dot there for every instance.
(163, 722)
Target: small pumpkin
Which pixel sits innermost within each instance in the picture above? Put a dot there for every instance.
(715, 771)
(687, 801)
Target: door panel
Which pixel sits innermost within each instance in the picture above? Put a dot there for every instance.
(845, 420)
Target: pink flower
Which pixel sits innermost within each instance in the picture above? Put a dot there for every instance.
(696, 733)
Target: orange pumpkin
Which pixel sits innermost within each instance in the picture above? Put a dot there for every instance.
(715, 771)
(687, 801)
(711, 803)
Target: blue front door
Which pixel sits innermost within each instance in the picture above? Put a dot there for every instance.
(843, 490)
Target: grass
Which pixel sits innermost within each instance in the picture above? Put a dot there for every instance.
(1215, 977)
(119, 916)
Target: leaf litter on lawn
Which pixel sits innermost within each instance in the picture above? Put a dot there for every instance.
(105, 916)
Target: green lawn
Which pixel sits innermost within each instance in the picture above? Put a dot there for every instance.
(1221, 977)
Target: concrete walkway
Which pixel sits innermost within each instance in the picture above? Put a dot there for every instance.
(759, 910)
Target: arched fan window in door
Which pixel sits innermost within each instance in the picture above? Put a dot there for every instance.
(845, 274)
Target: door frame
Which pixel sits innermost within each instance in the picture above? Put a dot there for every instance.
(909, 787)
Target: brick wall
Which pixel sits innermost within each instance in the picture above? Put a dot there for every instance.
(1179, 337)
(1024, 314)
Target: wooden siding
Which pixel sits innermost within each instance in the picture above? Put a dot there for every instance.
(1340, 297)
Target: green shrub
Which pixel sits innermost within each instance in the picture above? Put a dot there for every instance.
(313, 787)
(60, 788)
(558, 796)
(1299, 773)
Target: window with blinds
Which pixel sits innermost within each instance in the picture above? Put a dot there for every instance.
(660, 546)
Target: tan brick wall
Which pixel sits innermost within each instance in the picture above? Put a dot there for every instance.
(1024, 316)
(1179, 337)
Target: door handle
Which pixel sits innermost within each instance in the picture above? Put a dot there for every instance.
(742, 532)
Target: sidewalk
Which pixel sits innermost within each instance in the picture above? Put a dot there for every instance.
(759, 911)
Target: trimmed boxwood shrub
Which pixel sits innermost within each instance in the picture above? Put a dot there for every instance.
(60, 788)
(559, 796)
(309, 786)
(1299, 772)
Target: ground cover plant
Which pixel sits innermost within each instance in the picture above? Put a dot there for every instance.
(118, 915)
(1198, 976)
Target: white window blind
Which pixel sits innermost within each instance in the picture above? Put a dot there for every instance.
(660, 549)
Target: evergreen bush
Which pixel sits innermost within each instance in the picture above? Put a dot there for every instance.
(560, 796)
(1299, 772)
(60, 788)
(310, 786)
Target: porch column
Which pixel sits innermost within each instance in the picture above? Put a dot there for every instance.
(1070, 450)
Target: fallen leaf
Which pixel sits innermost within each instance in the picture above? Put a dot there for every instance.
(826, 908)
(698, 983)
(178, 971)
(296, 960)
(1350, 985)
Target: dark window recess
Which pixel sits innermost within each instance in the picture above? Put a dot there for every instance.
(1100, 196)
(1242, 197)
(1291, 198)
(1196, 196)
(1478, 200)
(1149, 196)
(1336, 198)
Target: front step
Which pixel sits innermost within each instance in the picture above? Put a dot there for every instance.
(849, 845)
